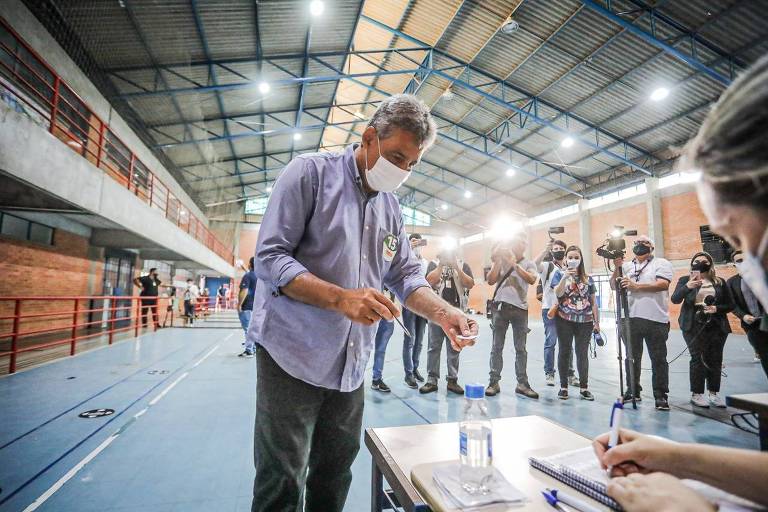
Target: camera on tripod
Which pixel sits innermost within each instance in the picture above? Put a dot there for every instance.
(554, 230)
(615, 246)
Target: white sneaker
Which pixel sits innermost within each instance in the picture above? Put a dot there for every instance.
(756, 359)
(715, 400)
(699, 400)
(550, 379)
(573, 381)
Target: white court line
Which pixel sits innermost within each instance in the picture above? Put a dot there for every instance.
(64, 479)
(88, 458)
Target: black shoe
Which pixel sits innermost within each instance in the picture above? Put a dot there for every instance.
(246, 353)
(562, 394)
(429, 387)
(411, 382)
(586, 395)
(526, 391)
(454, 387)
(493, 389)
(628, 398)
(379, 385)
(417, 375)
(662, 404)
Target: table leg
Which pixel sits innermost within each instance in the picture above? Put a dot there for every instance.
(377, 488)
(762, 422)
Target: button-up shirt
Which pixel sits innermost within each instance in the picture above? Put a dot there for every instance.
(320, 220)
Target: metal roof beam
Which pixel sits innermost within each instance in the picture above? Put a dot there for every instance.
(691, 60)
(504, 86)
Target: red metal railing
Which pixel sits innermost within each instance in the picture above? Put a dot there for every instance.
(32, 87)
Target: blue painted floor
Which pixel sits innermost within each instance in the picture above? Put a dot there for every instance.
(184, 431)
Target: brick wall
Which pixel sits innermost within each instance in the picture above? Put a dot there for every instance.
(69, 267)
(681, 217)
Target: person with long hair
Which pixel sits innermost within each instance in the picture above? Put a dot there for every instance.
(706, 302)
(577, 318)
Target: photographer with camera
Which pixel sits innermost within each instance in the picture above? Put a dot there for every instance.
(555, 253)
(451, 279)
(703, 319)
(576, 317)
(646, 280)
(749, 310)
(512, 274)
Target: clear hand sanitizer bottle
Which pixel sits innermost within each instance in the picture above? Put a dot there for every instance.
(475, 442)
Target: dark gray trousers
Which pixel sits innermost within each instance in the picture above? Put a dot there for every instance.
(502, 319)
(305, 440)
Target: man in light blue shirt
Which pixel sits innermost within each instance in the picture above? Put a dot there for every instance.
(332, 236)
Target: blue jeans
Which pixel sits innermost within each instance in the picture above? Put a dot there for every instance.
(383, 333)
(245, 319)
(416, 325)
(550, 344)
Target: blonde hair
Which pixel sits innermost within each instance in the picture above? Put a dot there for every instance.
(730, 149)
(709, 274)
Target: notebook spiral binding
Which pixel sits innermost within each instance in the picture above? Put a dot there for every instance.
(595, 490)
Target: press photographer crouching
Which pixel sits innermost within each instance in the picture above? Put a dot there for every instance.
(706, 301)
(646, 280)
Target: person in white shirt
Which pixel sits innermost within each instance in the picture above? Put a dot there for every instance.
(646, 280)
(547, 269)
(190, 300)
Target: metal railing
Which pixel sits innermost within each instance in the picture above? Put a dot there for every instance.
(30, 86)
(41, 328)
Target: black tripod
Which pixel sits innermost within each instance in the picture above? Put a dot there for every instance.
(625, 335)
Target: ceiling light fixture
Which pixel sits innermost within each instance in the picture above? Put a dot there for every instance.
(510, 27)
(448, 94)
(316, 7)
(297, 136)
(467, 194)
(659, 94)
(567, 142)
(444, 206)
(511, 171)
(269, 189)
(263, 87)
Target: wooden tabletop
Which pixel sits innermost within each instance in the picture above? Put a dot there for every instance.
(414, 449)
(755, 402)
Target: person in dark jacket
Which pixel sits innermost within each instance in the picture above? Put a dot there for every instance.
(749, 310)
(703, 319)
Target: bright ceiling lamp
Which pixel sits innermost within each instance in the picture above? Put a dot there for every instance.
(263, 87)
(448, 94)
(449, 243)
(297, 136)
(269, 189)
(443, 206)
(316, 7)
(511, 171)
(659, 94)
(567, 142)
(467, 194)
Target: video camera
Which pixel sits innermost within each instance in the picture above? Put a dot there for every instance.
(554, 230)
(615, 246)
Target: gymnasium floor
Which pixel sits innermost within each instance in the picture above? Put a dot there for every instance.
(181, 434)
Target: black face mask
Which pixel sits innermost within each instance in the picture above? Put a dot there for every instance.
(701, 266)
(640, 249)
(558, 255)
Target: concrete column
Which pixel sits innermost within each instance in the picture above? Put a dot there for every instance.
(585, 233)
(653, 205)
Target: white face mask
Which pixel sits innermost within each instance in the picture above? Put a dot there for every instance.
(753, 272)
(384, 176)
(574, 264)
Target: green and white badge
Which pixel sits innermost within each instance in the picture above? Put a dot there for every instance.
(390, 247)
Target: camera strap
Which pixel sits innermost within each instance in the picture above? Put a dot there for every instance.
(498, 284)
(638, 272)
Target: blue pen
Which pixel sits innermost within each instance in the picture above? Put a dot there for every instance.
(572, 501)
(616, 413)
(552, 500)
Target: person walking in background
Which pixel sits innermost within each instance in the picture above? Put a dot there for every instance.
(646, 279)
(556, 250)
(748, 309)
(191, 294)
(149, 285)
(449, 278)
(703, 319)
(383, 334)
(220, 298)
(576, 317)
(513, 274)
(245, 306)
(415, 324)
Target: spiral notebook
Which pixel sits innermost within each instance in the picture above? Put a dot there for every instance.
(578, 469)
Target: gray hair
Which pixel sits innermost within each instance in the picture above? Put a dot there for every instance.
(731, 149)
(407, 112)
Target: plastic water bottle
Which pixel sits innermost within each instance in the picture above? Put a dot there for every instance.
(475, 442)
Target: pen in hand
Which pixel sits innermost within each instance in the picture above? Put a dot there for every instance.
(616, 414)
(400, 323)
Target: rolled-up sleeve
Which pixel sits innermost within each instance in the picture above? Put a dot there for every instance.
(283, 224)
(404, 276)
